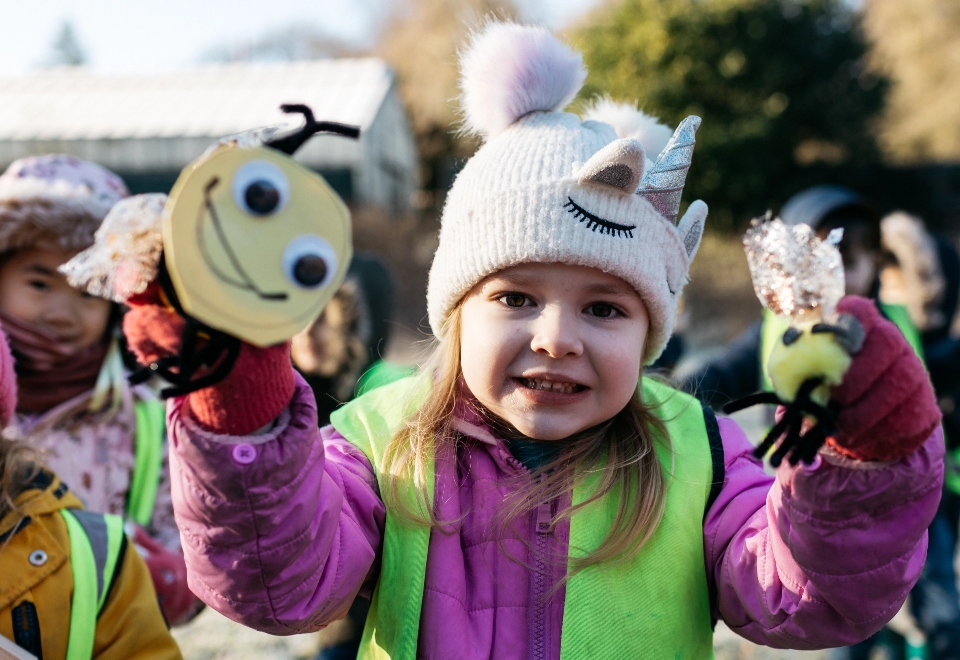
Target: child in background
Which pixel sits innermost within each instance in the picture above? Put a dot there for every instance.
(71, 584)
(104, 438)
(488, 502)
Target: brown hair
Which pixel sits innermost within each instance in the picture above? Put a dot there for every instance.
(621, 451)
(18, 465)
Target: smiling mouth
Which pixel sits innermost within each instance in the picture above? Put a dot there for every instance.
(558, 387)
(246, 282)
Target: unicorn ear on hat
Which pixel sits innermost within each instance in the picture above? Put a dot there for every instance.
(509, 70)
(620, 165)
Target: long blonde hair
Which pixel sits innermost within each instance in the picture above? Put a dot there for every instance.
(621, 451)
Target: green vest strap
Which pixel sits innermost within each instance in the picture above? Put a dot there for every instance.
(369, 423)
(148, 457)
(901, 318)
(770, 333)
(382, 373)
(654, 605)
(96, 541)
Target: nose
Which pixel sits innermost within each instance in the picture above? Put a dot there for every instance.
(61, 313)
(555, 334)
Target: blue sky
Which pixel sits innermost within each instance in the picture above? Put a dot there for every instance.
(131, 36)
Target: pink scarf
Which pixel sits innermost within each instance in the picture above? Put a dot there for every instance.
(49, 372)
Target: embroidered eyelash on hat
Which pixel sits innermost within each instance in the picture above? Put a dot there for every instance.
(594, 223)
(512, 202)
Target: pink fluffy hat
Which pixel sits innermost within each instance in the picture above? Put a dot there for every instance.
(548, 186)
(55, 201)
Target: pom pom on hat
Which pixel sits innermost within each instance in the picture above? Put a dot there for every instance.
(511, 70)
(629, 122)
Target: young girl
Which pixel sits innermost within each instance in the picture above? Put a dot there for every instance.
(71, 586)
(105, 439)
(523, 497)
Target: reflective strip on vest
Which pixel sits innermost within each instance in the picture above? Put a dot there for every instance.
(654, 605)
(774, 326)
(148, 457)
(95, 542)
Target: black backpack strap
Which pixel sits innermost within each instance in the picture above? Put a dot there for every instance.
(716, 457)
(716, 484)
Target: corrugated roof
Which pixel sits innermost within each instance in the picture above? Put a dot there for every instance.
(209, 101)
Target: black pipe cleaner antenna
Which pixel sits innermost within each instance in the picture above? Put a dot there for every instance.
(289, 143)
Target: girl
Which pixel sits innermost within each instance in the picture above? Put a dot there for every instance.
(44, 609)
(523, 497)
(102, 437)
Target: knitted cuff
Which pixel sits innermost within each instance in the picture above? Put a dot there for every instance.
(257, 390)
(888, 405)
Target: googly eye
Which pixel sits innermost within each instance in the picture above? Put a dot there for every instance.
(309, 261)
(260, 188)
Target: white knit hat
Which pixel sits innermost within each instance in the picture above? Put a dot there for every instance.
(547, 187)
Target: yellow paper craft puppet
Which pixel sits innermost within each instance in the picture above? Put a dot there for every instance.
(249, 246)
(800, 278)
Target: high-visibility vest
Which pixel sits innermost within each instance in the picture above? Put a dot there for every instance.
(151, 426)
(96, 541)
(653, 605)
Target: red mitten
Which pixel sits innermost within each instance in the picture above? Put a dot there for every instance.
(256, 391)
(168, 572)
(888, 405)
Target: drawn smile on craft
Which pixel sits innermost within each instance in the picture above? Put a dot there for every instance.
(245, 282)
(596, 223)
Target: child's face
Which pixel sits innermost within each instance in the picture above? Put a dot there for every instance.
(860, 271)
(552, 349)
(34, 293)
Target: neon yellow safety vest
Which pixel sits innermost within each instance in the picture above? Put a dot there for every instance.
(653, 605)
(96, 541)
(148, 457)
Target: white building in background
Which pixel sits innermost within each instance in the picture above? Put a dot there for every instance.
(147, 128)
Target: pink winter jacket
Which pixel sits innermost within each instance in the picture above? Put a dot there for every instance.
(282, 530)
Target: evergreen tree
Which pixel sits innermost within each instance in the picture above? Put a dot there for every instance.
(66, 49)
(781, 86)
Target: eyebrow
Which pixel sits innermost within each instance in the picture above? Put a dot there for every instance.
(609, 289)
(598, 289)
(40, 270)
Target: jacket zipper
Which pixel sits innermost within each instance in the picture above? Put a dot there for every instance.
(538, 634)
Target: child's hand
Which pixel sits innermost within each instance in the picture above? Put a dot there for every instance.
(168, 572)
(256, 391)
(888, 405)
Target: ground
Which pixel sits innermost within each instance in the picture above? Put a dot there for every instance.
(212, 637)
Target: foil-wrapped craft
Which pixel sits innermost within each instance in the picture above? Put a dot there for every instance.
(126, 250)
(795, 274)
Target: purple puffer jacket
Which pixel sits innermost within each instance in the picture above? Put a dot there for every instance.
(282, 530)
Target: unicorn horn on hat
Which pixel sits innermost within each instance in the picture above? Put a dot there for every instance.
(662, 186)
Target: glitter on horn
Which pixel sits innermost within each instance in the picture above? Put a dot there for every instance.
(662, 186)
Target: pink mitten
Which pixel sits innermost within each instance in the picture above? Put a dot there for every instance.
(168, 572)
(888, 405)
